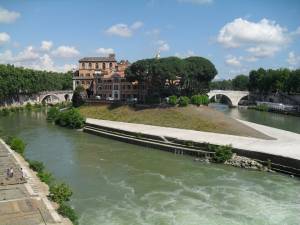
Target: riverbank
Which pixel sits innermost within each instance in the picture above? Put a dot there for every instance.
(281, 151)
(196, 118)
(24, 201)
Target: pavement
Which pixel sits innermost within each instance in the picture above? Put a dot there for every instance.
(282, 143)
(23, 201)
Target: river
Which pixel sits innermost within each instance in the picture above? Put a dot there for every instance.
(116, 183)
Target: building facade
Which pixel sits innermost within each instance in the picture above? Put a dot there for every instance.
(104, 77)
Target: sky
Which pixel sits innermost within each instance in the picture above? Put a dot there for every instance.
(236, 36)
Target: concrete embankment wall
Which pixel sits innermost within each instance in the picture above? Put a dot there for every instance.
(196, 149)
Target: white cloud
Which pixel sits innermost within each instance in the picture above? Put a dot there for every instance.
(137, 25)
(199, 2)
(293, 60)
(154, 32)
(28, 54)
(65, 51)
(46, 45)
(163, 46)
(123, 30)
(263, 51)
(104, 51)
(31, 58)
(7, 16)
(242, 32)
(4, 38)
(185, 55)
(233, 61)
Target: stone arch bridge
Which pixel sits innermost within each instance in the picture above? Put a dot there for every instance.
(54, 96)
(233, 96)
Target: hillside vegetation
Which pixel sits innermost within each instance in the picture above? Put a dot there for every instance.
(192, 117)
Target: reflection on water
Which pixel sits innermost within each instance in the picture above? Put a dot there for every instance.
(285, 122)
(121, 184)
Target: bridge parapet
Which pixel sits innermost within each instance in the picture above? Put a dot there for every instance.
(233, 96)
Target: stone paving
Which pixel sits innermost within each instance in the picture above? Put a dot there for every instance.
(22, 200)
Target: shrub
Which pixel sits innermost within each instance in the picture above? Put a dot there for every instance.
(36, 165)
(70, 118)
(173, 100)
(8, 139)
(223, 153)
(60, 193)
(28, 106)
(78, 95)
(262, 107)
(183, 101)
(18, 145)
(200, 100)
(52, 114)
(66, 211)
(46, 177)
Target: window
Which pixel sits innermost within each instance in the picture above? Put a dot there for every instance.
(81, 75)
(116, 87)
(99, 81)
(123, 87)
(117, 68)
(116, 95)
(123, 96)
(103, 66)
(83, 65)
(110, 65)
(77, 82)
(128, 87)
(97, 66)
(90, 65)
(87, 74)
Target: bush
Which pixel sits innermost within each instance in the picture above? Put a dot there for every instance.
(46, 177)
(52, 114)
(78, 95)
(200, 100)
(223, 153)
(66, 211)
(60, 193)
(18, 145)
(183, 101)
(36, 165)
(70, 118)
(28, 106)
(173, 100)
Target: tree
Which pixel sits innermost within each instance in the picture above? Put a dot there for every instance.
(198, 72)
(78, 96)
(240, 83)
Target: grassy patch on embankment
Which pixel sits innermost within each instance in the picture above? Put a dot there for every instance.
(192, 117)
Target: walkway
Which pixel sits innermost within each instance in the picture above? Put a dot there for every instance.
(285, 143)
(23, 201)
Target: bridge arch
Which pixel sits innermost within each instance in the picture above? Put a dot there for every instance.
(224, 95)
(50, 98)
(234, 96)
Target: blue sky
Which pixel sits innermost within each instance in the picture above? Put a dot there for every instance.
(236, 36)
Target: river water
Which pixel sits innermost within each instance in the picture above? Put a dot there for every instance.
(115, 183)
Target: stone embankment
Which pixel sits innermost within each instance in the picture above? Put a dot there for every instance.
(244, 162)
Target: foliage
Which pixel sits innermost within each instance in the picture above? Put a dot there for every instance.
(172, 76)
(222, 152)
(66, 211)
(78, 95)
(60, 193)
(36, 165)
(270, 81)
(16, 81)
(28, 106)
(199, 100)
(262, 107)
(173, 100)
(46, 177)
(240, 83)
(4, 112)
(18, 145)
(221, 85)
(183, 101)
(52, 113)
(70, 118)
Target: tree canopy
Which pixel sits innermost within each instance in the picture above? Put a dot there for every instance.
(172, 75)
(15, 81)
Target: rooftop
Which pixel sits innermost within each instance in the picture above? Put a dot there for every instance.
(110, 58)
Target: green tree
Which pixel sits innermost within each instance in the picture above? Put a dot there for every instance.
(240, 83)
(78, 96)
